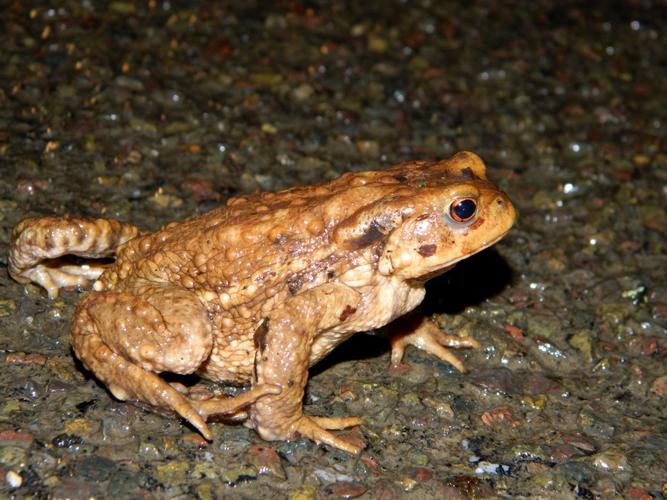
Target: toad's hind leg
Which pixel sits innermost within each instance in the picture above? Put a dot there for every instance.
(36, 241)
(126, 338)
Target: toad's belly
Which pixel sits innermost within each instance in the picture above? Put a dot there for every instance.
(231, 360)
(381, 303)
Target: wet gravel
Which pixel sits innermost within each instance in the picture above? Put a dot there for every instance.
(155, 111)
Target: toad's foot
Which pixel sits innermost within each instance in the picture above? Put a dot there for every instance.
(430, 338)
(52, 279)
(38, 240)
(230, 406)
(317, 429)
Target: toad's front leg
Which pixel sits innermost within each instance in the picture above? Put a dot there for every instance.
(284, 343)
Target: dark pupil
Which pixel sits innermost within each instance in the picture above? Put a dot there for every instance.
(465, 209)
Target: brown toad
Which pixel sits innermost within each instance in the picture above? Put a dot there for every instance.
(257, 291)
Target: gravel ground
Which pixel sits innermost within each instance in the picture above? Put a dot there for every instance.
(152, 111)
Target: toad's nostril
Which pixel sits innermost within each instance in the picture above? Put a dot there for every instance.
(500, 202)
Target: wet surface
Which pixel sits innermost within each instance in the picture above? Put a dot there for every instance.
(155, 112)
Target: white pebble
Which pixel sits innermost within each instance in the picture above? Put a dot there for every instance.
(487, 468)
(14, 479)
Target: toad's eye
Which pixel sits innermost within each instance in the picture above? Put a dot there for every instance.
(463, 209)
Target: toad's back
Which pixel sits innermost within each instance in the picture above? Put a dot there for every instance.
(255, 245)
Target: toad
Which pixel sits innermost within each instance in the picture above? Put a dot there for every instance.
(258, 290)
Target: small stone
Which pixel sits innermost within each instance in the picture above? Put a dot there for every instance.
(344, 489)
(537, 402)
(579, 441)
(593, 426)
(638, 493)
(80, 427)
(206, 490)
(410, 399)
(13, 456)
(63, 369)
(14, 479)
(174, 472)
(266, 460)
(377, 43)
(149, 451)
(384, 490)
(124, 8)
(641, 160)
(501, 415)
(420, 474)
(94, 468)
(659, 386)
(417, 457)
(496, 380)
(515, 332)
(201, 189)
(659, 311)
(368, 148)
(25, 358)
(268, 128)
(537, 383)
(528, 452)
(470, 486)
(195, 439)
(614, 313)
(237, 475)
(546, 325)
(407, 483)
(442, 408)
(166, 200)
(266, 79)
(563, 453)
(10, 407)
(611, 461)
(205, 470)
(485, 467)
(370, 464)
(303, 493)
(23, 439)
(582, 341)
(302, 92)
(7, 307)
(67, 441)
(74, 488)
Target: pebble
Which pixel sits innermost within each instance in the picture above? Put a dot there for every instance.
(368, 148)
(7, 307)
(485, 467)
(13, 456)
(173, 472)
(303, 493)
(303, 92)
(14, 479)
(16, 438)
(611, 461)
(237, 475)
(344, 489)
(659, 386)
(266, 460)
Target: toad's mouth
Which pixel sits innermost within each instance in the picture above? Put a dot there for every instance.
(443, 268)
